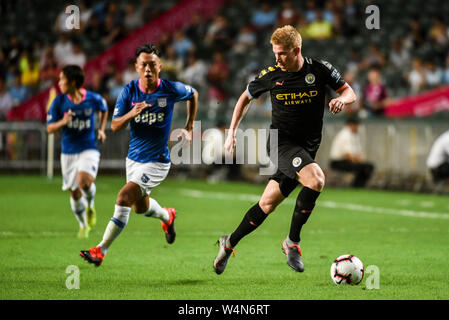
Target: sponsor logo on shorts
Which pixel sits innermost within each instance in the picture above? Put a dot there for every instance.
(296, 162)
(145, 178)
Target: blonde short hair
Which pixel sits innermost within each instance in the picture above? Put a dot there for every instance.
(286, 36)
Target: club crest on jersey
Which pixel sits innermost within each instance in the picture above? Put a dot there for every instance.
(296, 162)
(162, 102)
(310, 78)
(87, 112)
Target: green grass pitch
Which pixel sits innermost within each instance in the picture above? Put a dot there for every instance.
(405, 235)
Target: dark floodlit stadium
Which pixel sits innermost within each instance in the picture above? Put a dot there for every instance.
(141, 140)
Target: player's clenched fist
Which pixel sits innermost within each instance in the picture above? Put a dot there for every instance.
(139, 107)
(336, 105)
(68, 116)
(230, 142)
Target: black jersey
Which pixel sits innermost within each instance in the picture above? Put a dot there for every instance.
(298, 99)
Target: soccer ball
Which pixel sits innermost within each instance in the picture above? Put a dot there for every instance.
(347, 269)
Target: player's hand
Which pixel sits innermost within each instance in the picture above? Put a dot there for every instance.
(230, 142)
(185, 135)
(336, 105)
(68, 117)
(101, 136)
(138, 108)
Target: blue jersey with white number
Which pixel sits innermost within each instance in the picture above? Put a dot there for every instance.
(150, 130)
(79, 134)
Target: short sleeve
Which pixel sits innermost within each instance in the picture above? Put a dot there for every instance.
(122, 106)
(54, 113)
(332, 76)
(102, 105)
(259, 85)
(182, 91)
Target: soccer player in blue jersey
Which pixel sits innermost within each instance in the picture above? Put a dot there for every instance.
(74, 111)
(147, 106)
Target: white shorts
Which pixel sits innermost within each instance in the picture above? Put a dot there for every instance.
(72, 164)
(146, 175)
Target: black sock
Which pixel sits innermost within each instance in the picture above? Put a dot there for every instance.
(252, 219)
(304, 206)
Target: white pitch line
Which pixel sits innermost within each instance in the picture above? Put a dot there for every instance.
(326, 204)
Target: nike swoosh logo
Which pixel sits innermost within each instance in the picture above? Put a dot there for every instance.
(279, 83)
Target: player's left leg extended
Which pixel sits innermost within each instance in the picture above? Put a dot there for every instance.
(312, 178)
(88, 188)
(127, 196)
(253, 218)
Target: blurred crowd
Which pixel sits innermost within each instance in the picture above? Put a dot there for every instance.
(207, 54)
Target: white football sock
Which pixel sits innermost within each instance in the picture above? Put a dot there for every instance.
(89, 194)
(156, 211)
(79, 209)
(115, 226)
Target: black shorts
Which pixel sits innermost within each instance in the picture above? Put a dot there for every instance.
(291, 159)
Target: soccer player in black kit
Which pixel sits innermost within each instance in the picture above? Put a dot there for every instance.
(297, 87)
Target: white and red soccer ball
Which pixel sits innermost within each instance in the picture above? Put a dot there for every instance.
(347, 269)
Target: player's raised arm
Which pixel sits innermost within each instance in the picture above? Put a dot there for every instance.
(347, 96)
(240, 110)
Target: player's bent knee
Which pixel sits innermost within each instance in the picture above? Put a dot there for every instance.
(316, 183)
(267, 206)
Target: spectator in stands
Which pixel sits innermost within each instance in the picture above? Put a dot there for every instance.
(416, 35)
(196, 31)
(114, 29)
(265, 17)
(374, 58)
(438, 159)
(13, 50)
(446, 72)
(245, 41)
(61, 20)
(195, 72)
(219, 36)
(375, 94)
(63, 48)
(288, 14)
(346, 154)
(399, 56)
(30, 70)
(310, 11)
(432, 74)
(439, 37)
(115, 86)
(181, 44)
(6, 100)
(130, 72)
(76, 56)
(416, 78)
(172, 63)
(350, 18)
(49, 68)
(217, 76)
(18, 91)
(319, 29)
(133, 18)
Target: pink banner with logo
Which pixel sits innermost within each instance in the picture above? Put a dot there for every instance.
(178, 17)
(420, 105)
